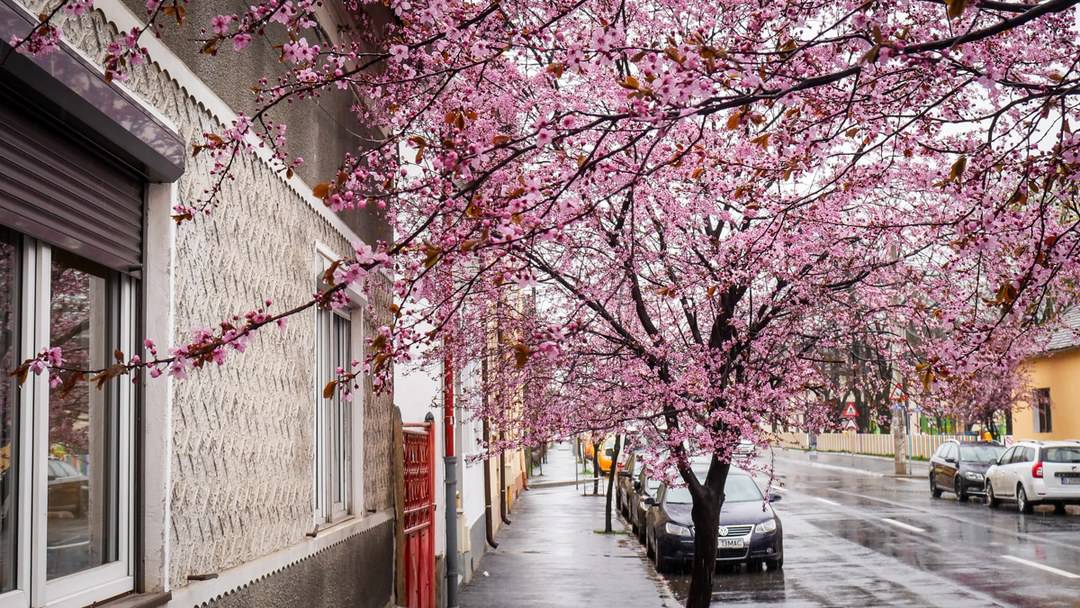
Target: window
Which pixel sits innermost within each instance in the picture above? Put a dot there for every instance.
(1041, 409)
(64, 450)
(1007, 457)
(333, 418)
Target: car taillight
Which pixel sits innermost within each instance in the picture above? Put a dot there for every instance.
(1036, 471)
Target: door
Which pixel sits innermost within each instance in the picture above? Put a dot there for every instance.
(419, 515)
(949, 466)
(996, 476)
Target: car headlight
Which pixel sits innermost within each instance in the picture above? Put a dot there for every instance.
(766, 527)
(677, 530)
(973, 476)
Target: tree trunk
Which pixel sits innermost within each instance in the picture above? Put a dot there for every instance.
(705, 513)
(611, 484)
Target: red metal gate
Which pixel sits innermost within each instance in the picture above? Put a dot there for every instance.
(419, 519)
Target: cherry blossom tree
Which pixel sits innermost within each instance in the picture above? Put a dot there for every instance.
(705, 196)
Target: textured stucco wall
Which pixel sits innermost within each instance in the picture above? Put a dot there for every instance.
(242, 444)
(356, 573)
(321, 130)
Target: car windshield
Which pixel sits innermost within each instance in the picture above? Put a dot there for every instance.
(739, 488)
(651, 485)
(1062, 454)
(980, 453)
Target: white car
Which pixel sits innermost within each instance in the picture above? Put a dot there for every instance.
(1036, 472)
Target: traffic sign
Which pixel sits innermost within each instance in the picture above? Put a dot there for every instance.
(850, 411)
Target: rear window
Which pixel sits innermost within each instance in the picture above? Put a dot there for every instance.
(1061, 454)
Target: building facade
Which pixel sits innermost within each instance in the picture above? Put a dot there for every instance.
(240, 486)
(1052, 410)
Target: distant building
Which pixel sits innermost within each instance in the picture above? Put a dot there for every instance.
(1052, 410)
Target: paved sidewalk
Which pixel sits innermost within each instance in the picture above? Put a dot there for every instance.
(551, 555)
(877, 466)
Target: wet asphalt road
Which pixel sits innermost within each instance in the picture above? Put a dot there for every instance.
(854, 539)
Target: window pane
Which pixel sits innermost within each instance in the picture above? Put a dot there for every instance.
(340, 413)
(82, 495)
(9, 359)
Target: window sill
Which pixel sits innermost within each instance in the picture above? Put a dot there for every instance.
(322, 529)
(137, 600)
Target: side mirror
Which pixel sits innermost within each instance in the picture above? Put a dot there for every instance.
(950, 460)
(774, 497)
(649, 501)
(637, 486)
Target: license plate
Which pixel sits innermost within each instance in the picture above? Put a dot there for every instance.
(1070, 481)
(730, 543)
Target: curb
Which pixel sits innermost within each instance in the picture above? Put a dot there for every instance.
(562, 483)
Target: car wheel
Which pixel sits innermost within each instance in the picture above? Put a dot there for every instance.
(934, 491)
(959, 489)
(648, 546)
(1022, 503)
(991, 501)
(1059, 508)
(775, 564)
(663, 564)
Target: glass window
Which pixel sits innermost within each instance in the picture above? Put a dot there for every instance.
(1042, 411)
(333, 461)
(9, 401)
(78, 497)
(738, 488)
(1006, 458)
(1062, 454)
(980, 453)
(82, 422)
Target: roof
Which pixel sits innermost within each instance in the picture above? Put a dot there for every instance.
(1068, 335)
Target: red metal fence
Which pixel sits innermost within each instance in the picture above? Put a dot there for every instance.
(419, 518)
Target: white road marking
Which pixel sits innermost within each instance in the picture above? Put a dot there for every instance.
(827, 501)
(900, 524)
(1049, 569)
(909, 480)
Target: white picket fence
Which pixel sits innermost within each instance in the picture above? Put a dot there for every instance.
(921, 446)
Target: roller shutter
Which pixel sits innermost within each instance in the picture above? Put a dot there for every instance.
(58, 187)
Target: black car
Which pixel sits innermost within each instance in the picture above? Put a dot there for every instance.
(960, 467)
(644, 492)
(750, 531)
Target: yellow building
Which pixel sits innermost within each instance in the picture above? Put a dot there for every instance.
(1053, 409)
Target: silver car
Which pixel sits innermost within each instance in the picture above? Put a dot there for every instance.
(1031, 473)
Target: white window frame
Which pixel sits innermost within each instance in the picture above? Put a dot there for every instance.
(327, 511)
(94, 584)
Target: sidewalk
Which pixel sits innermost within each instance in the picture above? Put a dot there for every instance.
(552, 555)
(878, 466)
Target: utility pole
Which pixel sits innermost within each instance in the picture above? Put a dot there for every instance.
(450, 466)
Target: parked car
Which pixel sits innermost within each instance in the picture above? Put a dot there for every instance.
(606, 454)
(1031, 473)
(744, 448)
(643, 495)
(960, 467)
(624, 483)
(69, 490)
(750, 531)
